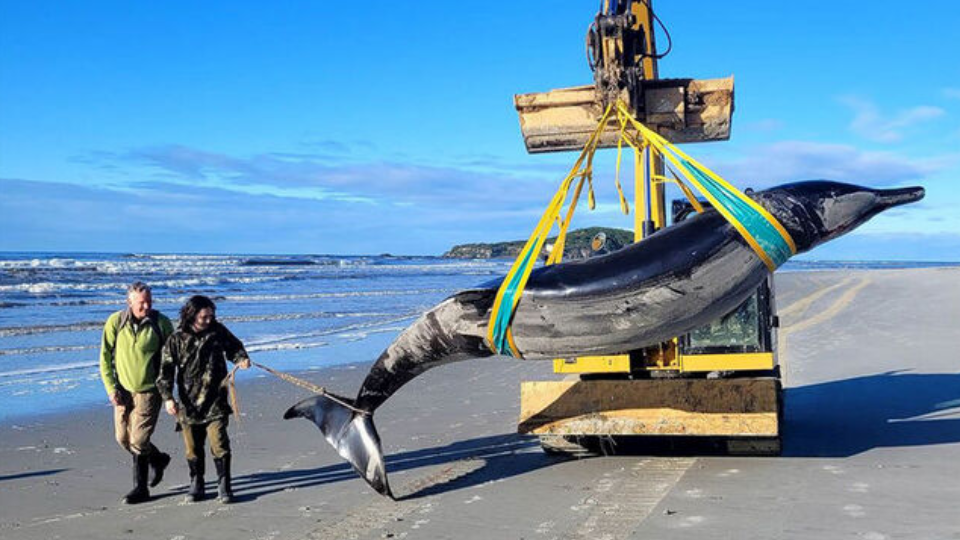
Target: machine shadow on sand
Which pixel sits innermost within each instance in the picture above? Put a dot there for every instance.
(849, 416)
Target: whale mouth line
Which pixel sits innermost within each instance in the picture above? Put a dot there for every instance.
(896, 197)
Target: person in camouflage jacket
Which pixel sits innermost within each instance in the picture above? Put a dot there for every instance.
(195, 358)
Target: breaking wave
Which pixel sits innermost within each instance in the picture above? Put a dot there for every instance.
(45, 369)
(98, 325)
(48, 349)
(285, 307)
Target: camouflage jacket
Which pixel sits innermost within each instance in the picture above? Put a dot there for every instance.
(198, 363)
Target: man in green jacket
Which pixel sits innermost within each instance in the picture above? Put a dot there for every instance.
(129, 364)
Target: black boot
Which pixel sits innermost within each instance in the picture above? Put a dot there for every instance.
(140, 492)
(196, 492)
(224, 491)
(158, 462)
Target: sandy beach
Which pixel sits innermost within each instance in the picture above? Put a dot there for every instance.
(871, 448)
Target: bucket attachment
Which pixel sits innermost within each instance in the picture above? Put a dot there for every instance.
(682, 110)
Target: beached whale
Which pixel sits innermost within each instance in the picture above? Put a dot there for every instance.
(676, 280)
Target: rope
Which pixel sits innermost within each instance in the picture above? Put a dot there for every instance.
(231, 382)
(316, 389)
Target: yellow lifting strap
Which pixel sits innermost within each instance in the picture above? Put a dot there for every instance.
(758, 227)
(762, 232)
(687, 192)
(499, 335)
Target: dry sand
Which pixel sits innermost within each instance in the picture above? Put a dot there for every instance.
(872, 449)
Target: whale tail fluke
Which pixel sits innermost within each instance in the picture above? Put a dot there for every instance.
(351, 433)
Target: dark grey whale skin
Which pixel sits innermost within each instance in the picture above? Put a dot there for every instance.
(680, 278)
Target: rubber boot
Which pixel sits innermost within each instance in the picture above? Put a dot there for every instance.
(196, 492)
(140, 492)
(158, 462)
(224, 490)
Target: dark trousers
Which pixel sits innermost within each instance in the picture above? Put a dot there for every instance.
(195, 436)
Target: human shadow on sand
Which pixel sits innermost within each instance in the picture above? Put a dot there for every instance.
(499, 456)
(850, 416)
(31, 474)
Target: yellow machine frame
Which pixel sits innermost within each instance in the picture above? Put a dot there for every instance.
(744, 410)
(691, 363)
(649, 216)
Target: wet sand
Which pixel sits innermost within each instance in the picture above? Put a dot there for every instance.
(871, 449)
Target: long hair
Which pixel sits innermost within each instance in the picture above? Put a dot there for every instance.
(193, 306)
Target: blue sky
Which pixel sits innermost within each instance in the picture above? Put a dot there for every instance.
(340, 127)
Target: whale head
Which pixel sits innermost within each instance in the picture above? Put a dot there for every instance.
(817, 211)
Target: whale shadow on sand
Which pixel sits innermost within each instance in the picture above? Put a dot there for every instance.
(475, 461)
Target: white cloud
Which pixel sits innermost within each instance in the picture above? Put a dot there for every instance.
(310, 202)
(481, 183)
(870, 123)
(790, 161)
(178, 217)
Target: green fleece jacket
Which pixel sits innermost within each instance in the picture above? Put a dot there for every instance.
(130, 356)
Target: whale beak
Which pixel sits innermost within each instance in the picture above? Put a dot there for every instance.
(895, 197)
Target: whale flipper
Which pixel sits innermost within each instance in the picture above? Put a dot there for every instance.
(351, 433)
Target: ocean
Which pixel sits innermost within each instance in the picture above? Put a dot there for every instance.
(294, 313)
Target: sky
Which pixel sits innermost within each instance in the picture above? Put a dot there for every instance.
(389, 127)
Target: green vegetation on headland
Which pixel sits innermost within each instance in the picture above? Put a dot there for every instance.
(578, 245)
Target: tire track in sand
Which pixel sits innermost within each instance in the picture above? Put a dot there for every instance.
(619, 501)
(832, 311)
(805, 302)
(622, 500)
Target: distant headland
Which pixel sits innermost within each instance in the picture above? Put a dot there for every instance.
(580, 244)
